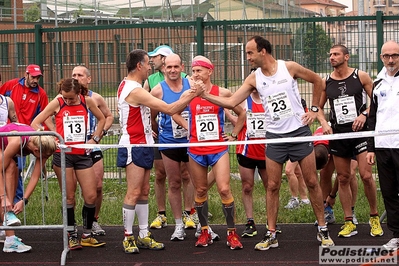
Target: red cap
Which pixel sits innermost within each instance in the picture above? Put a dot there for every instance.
(34, 70)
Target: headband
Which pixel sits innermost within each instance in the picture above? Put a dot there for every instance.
(202, 64)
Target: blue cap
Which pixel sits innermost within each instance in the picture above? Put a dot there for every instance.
(161, 50)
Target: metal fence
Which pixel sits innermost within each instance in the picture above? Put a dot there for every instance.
(103, 49)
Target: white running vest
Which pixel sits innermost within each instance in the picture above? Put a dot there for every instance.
(281, 100)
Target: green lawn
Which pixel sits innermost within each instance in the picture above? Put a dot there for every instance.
(115, 188)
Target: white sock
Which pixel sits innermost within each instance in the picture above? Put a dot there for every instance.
(128, 213)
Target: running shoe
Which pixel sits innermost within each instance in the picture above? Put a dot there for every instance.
(267, 242)
(90, 241)
(354, 219)
(250, 230)
(11, 220)
(159, 222)
(195, 218)
(376, 229)
(324, 237)
(16, 246)
(293, 203)
(188, 221)
(129, 245)
(278, 229)
(73, 242)
(233, 240)
(204, 239)
(179, 233)
(149, 242)
(215, 236)
(348, 229)
(392, 244)
(97, 230)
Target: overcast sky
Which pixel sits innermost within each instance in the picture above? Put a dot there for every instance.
(348, 3)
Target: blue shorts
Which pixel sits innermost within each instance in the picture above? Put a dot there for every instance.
(141, 156)
(208, 159)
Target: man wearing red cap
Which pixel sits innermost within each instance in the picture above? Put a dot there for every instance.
(29, 98)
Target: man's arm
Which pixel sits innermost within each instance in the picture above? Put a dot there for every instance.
(146, 86)
(241, 115)
(320, 115)
(12, 115)
(236, 98)
(102, 105)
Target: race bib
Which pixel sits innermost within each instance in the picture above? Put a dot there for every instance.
(279, 106)
(147, 121)
(345, 109)
(207, 127)
(179, 131)
(74, 128)
(256, 125)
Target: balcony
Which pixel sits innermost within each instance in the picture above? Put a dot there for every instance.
(379, 3)
(395, 3)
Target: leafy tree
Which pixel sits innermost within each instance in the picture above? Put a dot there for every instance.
(312, 45)
(32, 14)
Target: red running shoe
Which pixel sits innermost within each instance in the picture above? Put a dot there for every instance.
(233, 240)
(204, 239)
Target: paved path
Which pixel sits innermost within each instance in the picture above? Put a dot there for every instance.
(297, 246)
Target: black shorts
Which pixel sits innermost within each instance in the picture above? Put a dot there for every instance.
(250, 163)
(96, 156)
(77, 162)
(157, 153)
(178, 154)
(281, 152)
(347, 148)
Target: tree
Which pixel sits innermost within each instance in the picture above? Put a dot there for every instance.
(312, 45)
(32, 14)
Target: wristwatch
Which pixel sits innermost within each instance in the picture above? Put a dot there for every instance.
(234, 135)
(105, 132)
(314, 109)
(96, 139)
(365, 113)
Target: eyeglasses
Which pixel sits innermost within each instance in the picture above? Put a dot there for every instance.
(393, 56)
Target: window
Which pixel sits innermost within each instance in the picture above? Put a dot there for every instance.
(4, 59)
(21, 53)
(92, 53)
(122, 53)
(110, 52)
(150, 47)
(101, 52)
(65, 53)
(71, 53)
(31, 53)
(79, 53)
(5, 8)
(139, 46)
(45, 54)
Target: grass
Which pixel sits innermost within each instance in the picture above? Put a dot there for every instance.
(114, 192)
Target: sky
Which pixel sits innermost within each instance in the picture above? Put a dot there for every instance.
(348, 3)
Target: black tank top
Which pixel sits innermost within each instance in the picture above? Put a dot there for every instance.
(343, 106)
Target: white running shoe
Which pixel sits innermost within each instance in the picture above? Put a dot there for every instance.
(10, 219)
(16, 246)
(179, 233)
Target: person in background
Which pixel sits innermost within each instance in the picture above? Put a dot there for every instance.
(134, 104)
(70, 109)
(384, 116)
(82, 74)
(250, 157)
(285, 118)
(42, 147)
(170, 132)
(345, 89)
(157, 60)
(206, 124)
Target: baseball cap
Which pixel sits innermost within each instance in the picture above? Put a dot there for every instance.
(161, 50)
(34, 70)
